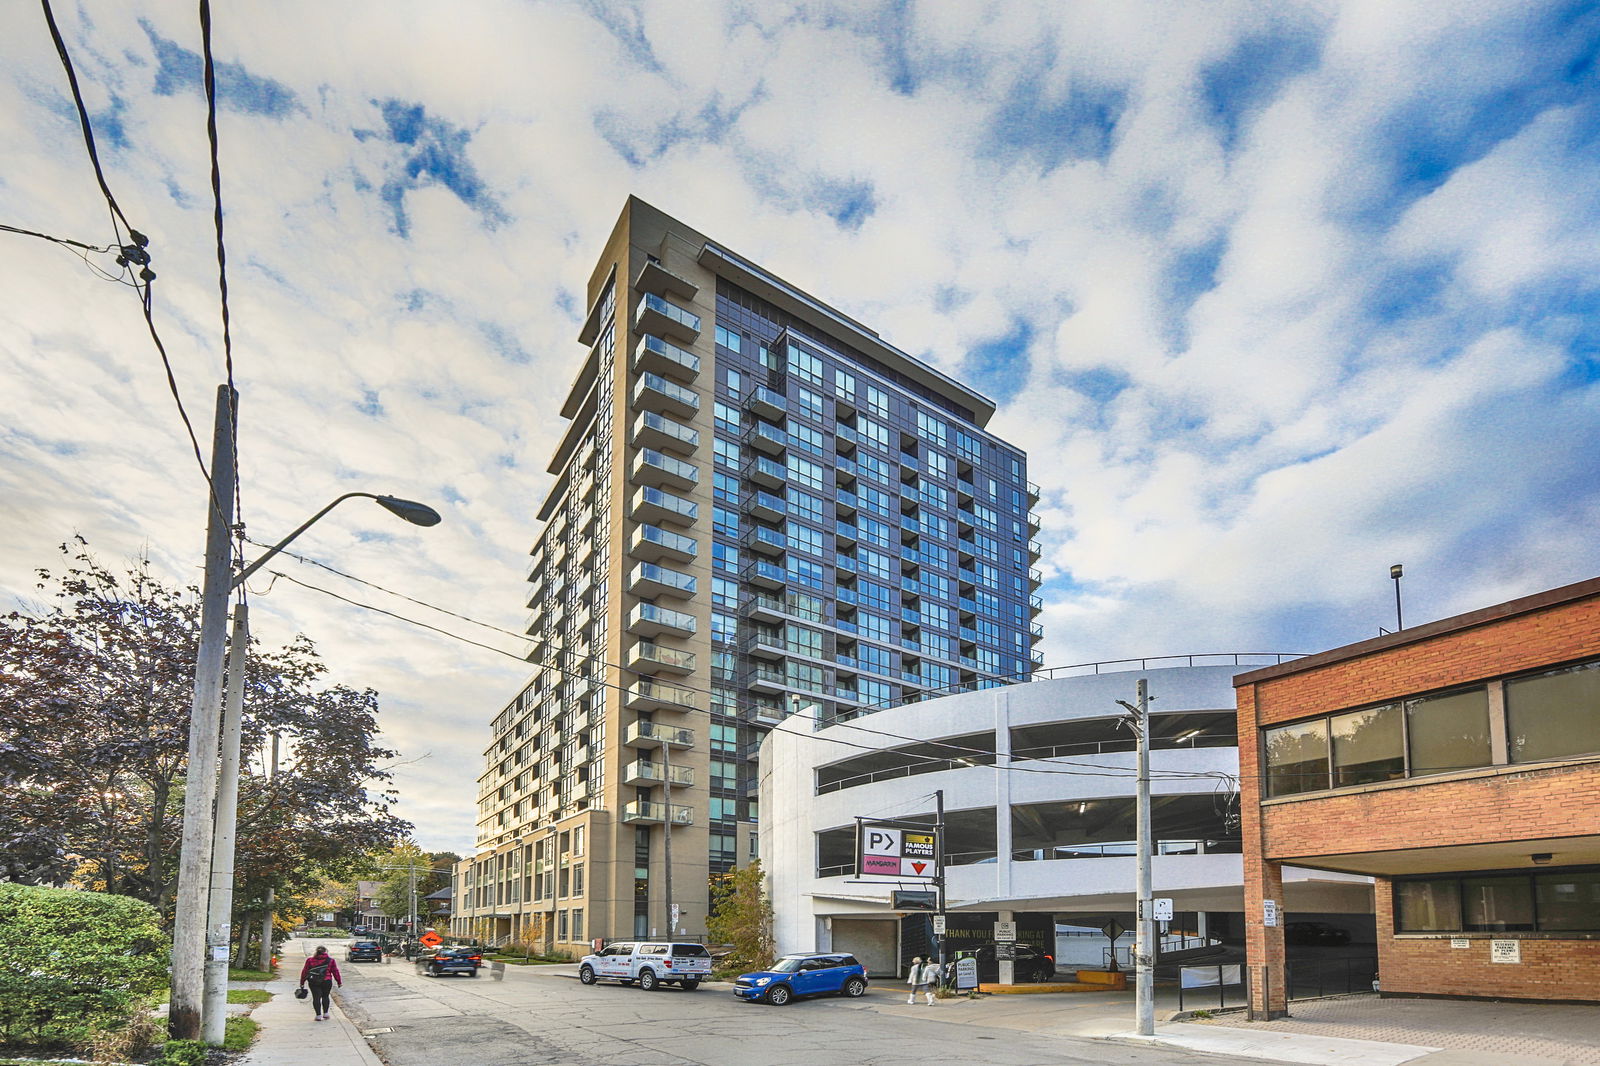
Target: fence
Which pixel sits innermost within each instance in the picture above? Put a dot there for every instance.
(1212, 987)
(1311, 978)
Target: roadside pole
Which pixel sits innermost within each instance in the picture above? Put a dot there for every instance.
(666, 834)
(205, 713)
(1144, 949)
(938, 871)
(219, 937)
(267, 917)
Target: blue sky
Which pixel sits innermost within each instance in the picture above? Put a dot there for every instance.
(1274, 295)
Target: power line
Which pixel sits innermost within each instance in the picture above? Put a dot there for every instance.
(1069, 770)
(132, 246)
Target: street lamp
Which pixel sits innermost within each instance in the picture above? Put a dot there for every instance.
(204, 911)
(1395, 572)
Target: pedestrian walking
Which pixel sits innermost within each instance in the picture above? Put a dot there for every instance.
(321, 973)
(921, 977)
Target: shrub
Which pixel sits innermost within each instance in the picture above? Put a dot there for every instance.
(74, 964)
(181, 1053)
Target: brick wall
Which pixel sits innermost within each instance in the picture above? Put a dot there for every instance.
(1492, 805)
(1430, 966)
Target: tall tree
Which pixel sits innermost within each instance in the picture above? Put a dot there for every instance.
(94, 722)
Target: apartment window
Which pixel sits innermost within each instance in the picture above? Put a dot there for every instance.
(725, 521)
(562, 926)
(804, 365)
(1554, 714)
(810, 402)
(724, 593)
(1297, 758)
(844, 385)
(803, 538)
(577, 923)
(724, 848)
(727, 452)
(724, 774)
(804, 505)
(725, 487)
(724, 809)
(805, 471)
(724, 738)
(938, 464)
(1367, 746)
(806, 438)
(931, 428)
(577, 841)
(877, 401)
(577, 879)
(730, 340)
(726, 417)
(735, 382)
(724, 557)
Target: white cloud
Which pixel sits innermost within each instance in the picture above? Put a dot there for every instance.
(1274, 347)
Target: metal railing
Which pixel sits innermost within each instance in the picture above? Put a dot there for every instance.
(1314, 978)
(1222, 987)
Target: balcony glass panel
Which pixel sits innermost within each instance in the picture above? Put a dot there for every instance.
(670, 310)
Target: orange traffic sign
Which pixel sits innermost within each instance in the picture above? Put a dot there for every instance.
(431, 939)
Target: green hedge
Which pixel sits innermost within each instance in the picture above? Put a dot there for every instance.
(74, 964)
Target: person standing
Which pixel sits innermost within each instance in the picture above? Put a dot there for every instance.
(320, 973)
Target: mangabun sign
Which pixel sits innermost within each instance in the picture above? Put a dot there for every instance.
(885, 849)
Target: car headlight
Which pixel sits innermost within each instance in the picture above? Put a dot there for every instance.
(762, 980)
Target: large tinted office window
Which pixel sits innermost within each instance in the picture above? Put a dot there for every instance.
(1427, 906)
(1568, 901)
(1297, 758)
(1448, 732)
(1367, 746)
(1554, 714)
(1496, 904)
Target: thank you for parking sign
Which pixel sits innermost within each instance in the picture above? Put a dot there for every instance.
(906, 853)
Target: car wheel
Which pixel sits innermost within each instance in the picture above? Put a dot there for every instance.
(586, 975)
(647, 981)
(472, 973)
(779, 995)
(855, 988)
(690, 985)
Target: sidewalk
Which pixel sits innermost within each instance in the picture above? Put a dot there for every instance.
(288, 1036)
(1361, 1030)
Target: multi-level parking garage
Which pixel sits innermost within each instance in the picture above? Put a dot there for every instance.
(1038, 783)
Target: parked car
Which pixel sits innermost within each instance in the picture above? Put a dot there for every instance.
(1315, 933)
(363, 951)
(650, 964)
(443, 960)
(1032, 966)
(797, 976)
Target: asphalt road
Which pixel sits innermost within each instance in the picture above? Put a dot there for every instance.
(538, 1015)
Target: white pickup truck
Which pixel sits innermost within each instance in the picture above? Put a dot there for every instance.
(650, 964)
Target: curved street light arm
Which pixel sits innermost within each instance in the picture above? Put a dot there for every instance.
(244, 574)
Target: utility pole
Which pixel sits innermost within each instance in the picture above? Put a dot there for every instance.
(1144, 949)
(205, 711)
(219, 937)
(267, 916)
(938, 870)
(412, 871)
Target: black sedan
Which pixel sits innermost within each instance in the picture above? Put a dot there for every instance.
(363, 951)
(440, 961)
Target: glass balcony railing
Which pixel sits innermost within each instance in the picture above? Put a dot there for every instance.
(651, 579)
(654, 617)
(656, 312)
(642, 812)
(653, 542)
(767, 401)
(654, 734)
(649, 653)
(648, 694)
(653, 353)
(652, 503)
(644, 770)
(653, 390)
(652, 430)
(762, 539)
(651, 465)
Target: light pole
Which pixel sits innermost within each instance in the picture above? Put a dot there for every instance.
(202, 921)
(1396, 571)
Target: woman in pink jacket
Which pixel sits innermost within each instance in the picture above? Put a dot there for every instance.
(321, 973)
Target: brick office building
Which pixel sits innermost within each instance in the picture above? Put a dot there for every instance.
(1458, 764)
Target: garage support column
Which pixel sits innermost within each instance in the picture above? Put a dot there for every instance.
(1264, 947)
(1008, 969)
(1002, 793)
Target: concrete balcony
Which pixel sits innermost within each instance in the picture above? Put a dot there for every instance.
(767, 507)
(651, 430)
(652, 392)
(767, 438)
(650, 620)
(768, 472)
(656, 505)
(650, 657)
(641, 813)
(661, 470)
(648, 694)
(653, 544)
(660, 316)
(653, 277)
(651, 579)
(767, 403)
(669, 360)
(645, 772)
(767, 541)
(654, 734)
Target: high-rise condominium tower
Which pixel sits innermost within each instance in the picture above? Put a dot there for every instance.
(757, 500)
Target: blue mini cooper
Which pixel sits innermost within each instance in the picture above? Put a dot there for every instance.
(794, 976)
